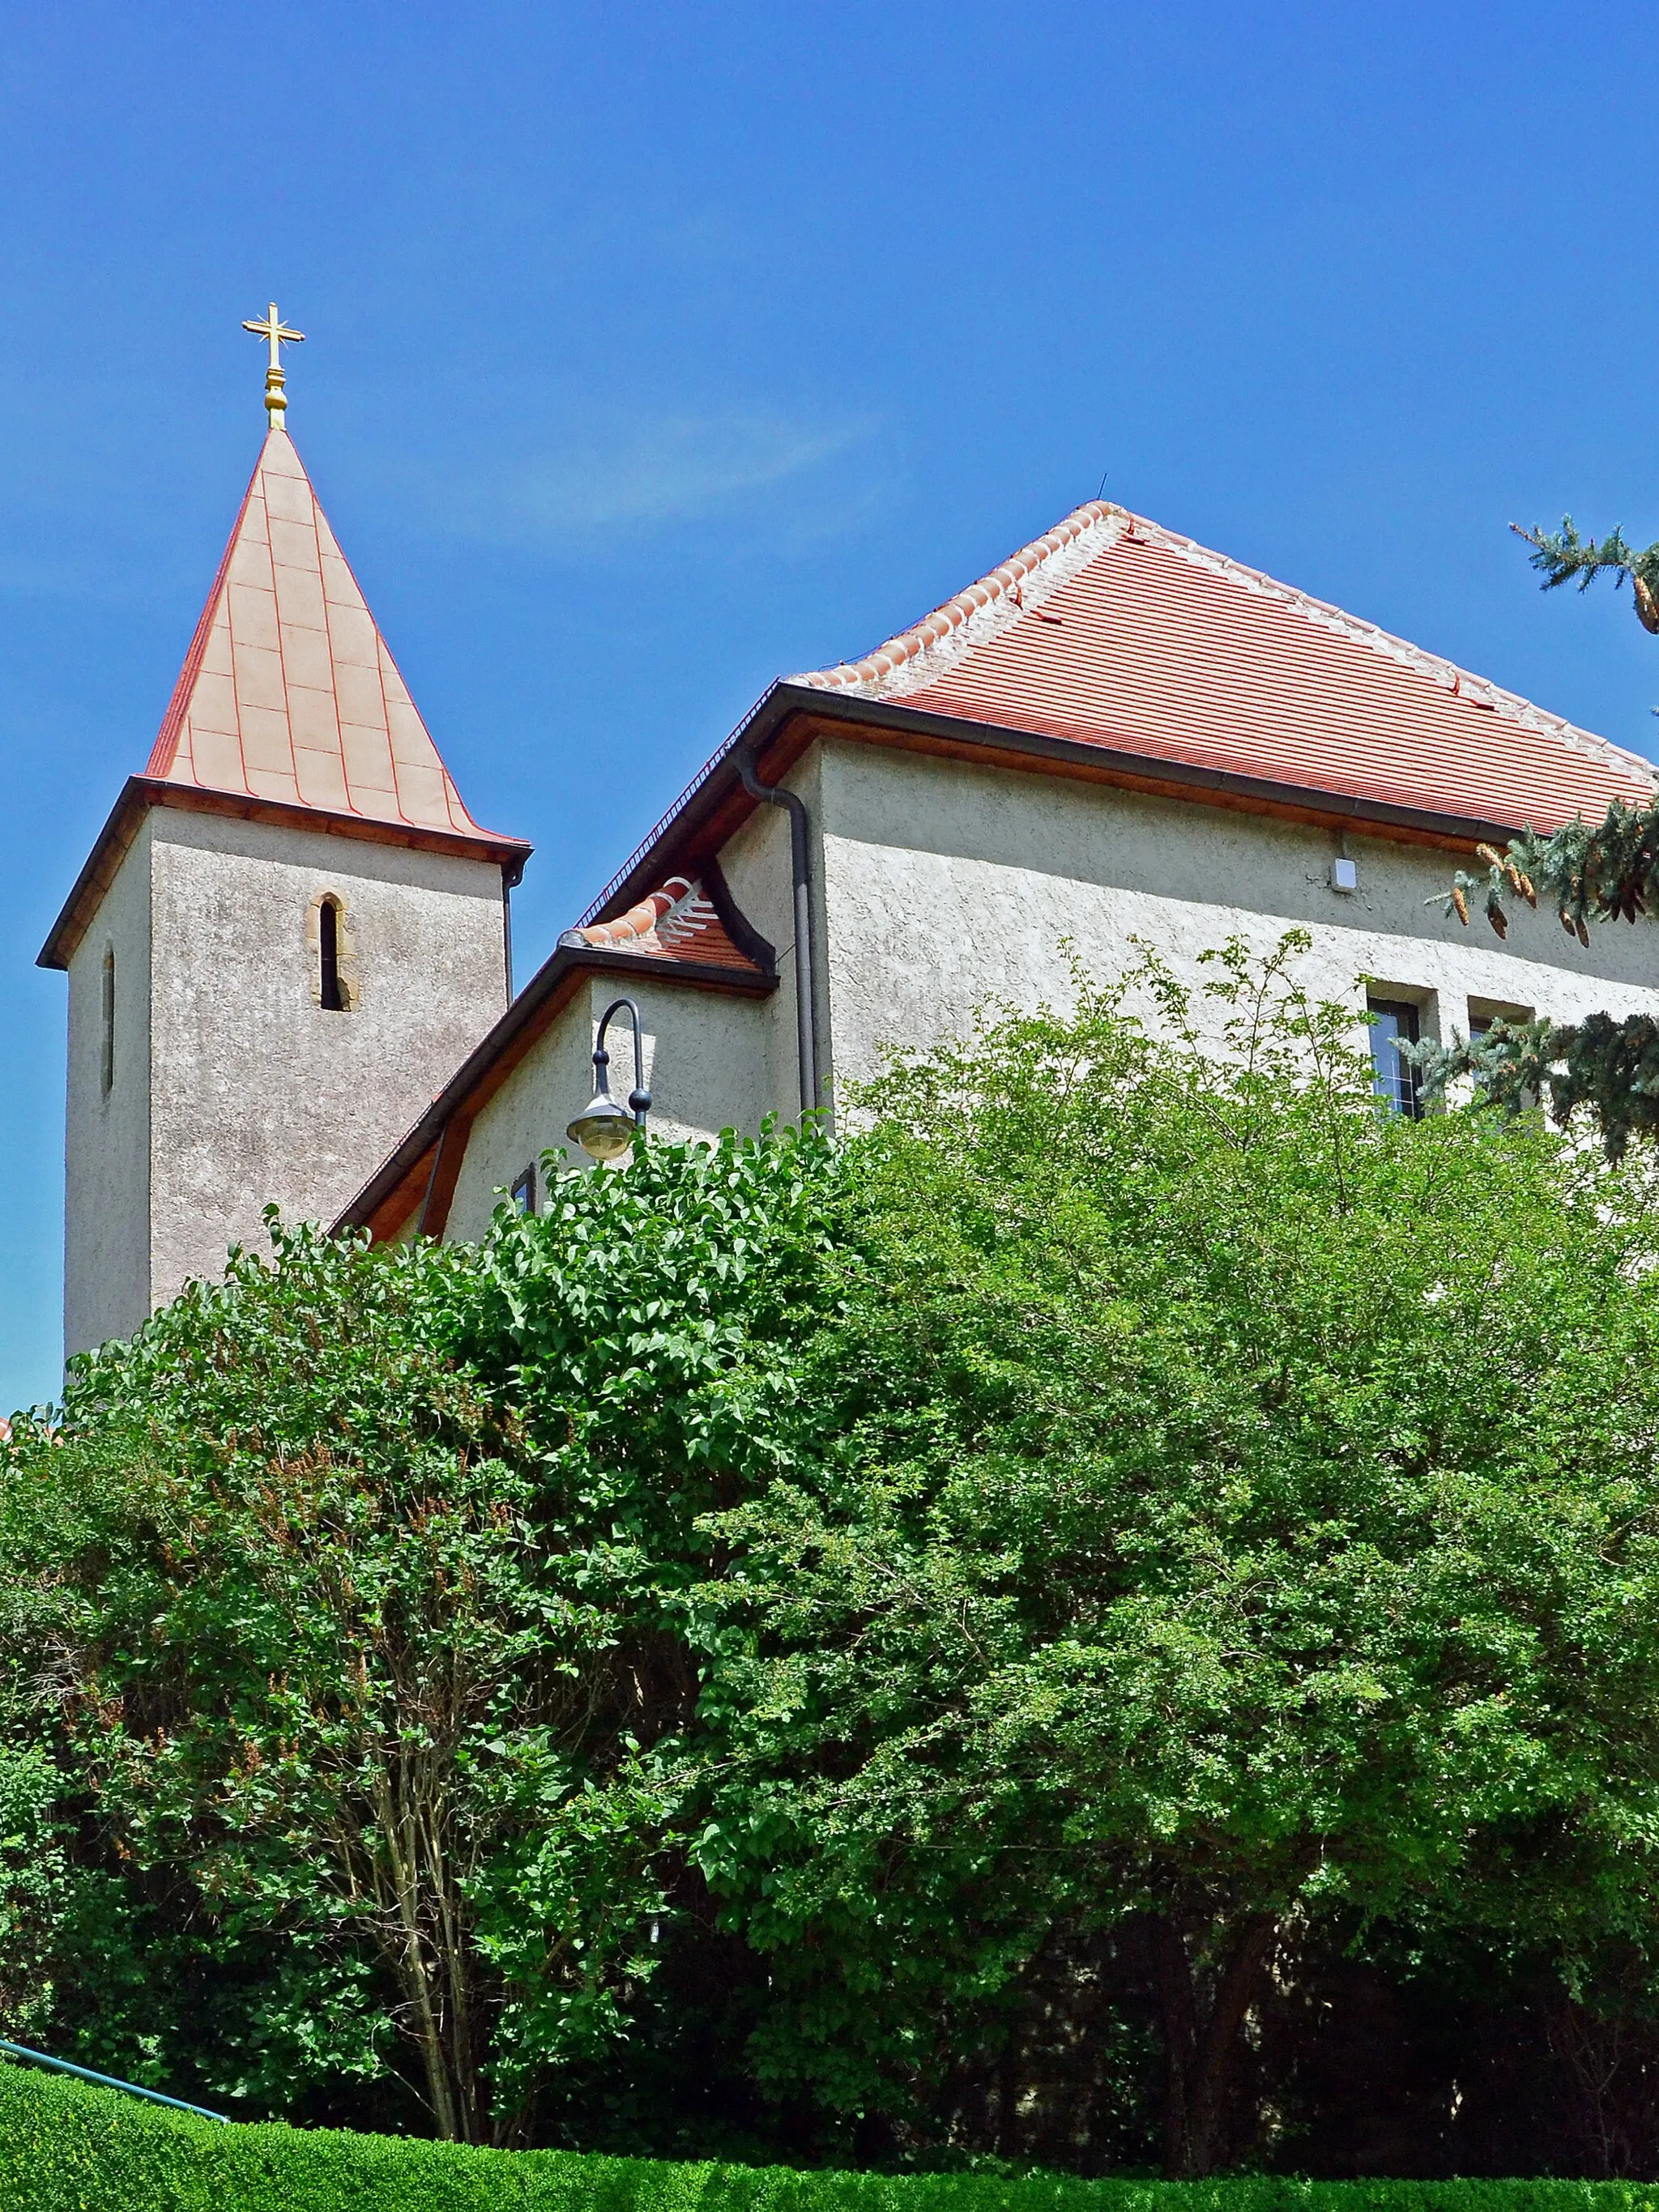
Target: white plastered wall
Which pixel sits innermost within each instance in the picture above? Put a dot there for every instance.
(107, 1259)
(249, 1089)
(706, 1056)
(948, 886)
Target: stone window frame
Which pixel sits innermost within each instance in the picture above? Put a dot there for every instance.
(346, 950)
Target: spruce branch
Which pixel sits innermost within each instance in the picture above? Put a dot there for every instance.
(1609, 872)
(1610, 1068)
(1561, 557)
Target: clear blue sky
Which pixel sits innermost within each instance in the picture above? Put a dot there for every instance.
(654, 350)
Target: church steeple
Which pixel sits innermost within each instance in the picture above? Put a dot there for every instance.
(288, 691)
(288, 935)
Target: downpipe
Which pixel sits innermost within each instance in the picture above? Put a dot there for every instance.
(771, 794)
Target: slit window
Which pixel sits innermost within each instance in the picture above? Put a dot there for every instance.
(1394, 1022)
(330, 996)
(107, 1022)
(524, 1190)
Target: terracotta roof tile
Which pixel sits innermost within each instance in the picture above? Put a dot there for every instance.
(288, 692)
(678, 922)
(1116, 632)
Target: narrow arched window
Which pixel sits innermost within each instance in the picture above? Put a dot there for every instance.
(330, 996)
(106, 1012)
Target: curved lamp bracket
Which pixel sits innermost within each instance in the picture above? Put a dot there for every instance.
(603, 1129)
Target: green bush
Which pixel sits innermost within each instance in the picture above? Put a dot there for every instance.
(64, 2148)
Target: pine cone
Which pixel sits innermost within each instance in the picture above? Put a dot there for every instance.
(1647, 606)
(1461, 904)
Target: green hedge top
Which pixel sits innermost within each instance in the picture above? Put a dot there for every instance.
(66, 2148)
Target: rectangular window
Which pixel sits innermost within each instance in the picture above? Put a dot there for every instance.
(1482, 1012)
(1394, 1022)
(524, 1190)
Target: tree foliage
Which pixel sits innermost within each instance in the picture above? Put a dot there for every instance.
(1213, 1513)
(344, 1584)
(762, 1645)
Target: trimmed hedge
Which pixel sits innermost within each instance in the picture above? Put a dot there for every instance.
(68, 2148)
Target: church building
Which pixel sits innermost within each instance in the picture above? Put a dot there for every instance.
(288, 953)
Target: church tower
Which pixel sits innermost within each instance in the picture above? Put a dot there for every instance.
(290, 934)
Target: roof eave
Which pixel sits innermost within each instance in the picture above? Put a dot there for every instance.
(141, 793)
(496, 1053)
(685, 828)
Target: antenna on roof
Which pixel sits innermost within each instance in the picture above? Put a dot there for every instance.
(1100, 494)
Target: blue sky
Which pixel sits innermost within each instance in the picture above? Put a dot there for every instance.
(653, 351)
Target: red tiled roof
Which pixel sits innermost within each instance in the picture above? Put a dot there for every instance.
(1113, 631)
(678, 922)
(288, 692)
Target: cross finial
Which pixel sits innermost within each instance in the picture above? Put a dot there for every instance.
(274, 329)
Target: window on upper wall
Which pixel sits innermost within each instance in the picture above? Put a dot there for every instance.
(1394, 1022)
(1482, 1012)
(524, 1190)
(107, 1022)
(330, 991)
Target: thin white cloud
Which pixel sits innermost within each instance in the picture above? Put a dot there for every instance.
(635, 474)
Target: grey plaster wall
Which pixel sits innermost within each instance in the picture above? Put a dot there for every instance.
(107, 1134)
(947, 886)
(256, 1092)
(706, 1058)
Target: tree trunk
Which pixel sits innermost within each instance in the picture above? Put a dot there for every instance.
(1203, 2011)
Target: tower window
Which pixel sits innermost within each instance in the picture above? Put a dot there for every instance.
(332, 994)
(107, 1001)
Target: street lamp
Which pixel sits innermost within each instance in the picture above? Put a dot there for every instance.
(603, 1129)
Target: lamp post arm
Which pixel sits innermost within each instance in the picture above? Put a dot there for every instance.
(638, 1098)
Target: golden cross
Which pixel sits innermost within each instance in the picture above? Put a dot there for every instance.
(279, 335)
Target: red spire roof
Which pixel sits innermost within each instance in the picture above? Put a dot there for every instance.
(1115, 632)
(288, 692)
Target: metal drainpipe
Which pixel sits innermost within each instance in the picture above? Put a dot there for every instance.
(806, 1011)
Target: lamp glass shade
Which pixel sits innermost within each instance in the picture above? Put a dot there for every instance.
(604, 1130)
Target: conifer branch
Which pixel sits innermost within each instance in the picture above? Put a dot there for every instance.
(1607, 873)
(1561, 557)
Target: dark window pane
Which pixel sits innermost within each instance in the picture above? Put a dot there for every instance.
(328, 947)
(1394, 1022)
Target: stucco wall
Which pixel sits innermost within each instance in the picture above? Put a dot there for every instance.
(258, 1092)
(706, 1057)
(948, 885)
(107, 1137)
